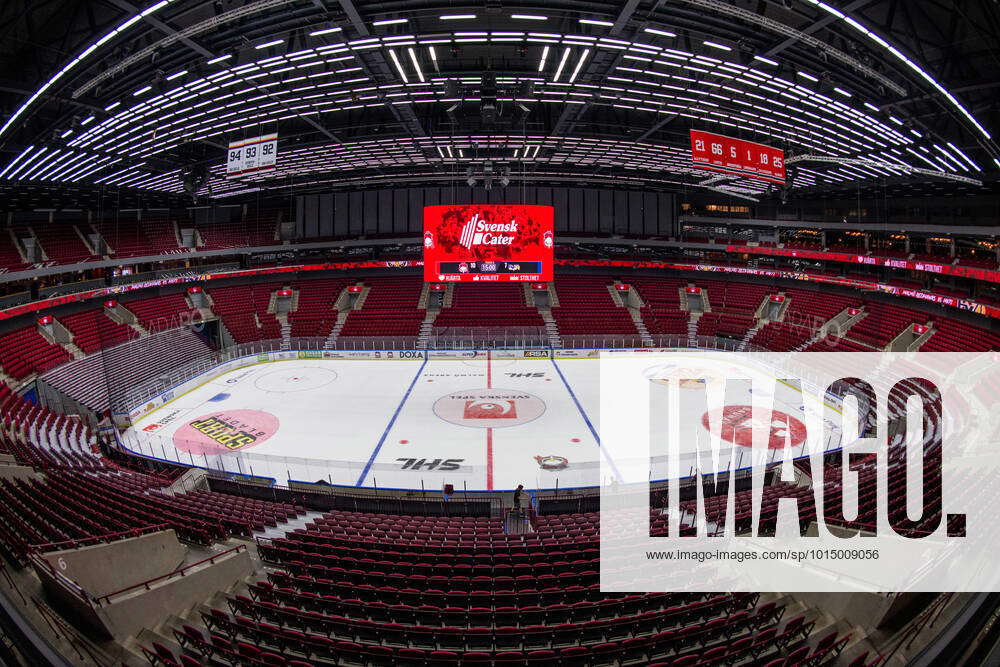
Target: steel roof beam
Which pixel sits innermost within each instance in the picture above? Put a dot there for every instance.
(816, 27)
(164, 28)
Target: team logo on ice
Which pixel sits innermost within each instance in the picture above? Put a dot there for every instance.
(225, 431)
(490, 409)
(552, 462)
(737, 424)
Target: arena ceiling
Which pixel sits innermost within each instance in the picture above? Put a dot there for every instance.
(111, 96)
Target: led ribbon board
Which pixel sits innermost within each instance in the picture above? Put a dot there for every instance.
(715, 152)
(251, 155)
(488, 243)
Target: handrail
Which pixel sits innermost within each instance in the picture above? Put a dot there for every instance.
(10, 581)
(70, 585)
(68, 632)
(106, 599)
(96, 539)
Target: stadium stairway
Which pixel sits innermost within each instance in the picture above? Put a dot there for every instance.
(286, 330)
(426, 327)
(751, 332)
(544, 307)
(123, 315)
(62, 336)
(74, 351)
(760, 320)
(290, 525)
(634, 303)
(205, 310)
(162, 634)
(692, 329)
(551, 327)
(331, 340)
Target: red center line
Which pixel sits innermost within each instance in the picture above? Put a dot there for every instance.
(489, 459)
(489, 431)
(489, 370)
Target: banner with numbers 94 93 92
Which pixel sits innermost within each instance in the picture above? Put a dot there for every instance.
(247, 156)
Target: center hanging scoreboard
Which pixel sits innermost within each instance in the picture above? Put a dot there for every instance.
(247, 156)
(488, 243)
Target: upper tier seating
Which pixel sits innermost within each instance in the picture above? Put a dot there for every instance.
(489, 305)
(257, 231)
(586, 307)
(936, 258)
(834, 344)
(62, 243)
(389, 309)
(24, 351)
(130, 238)
(849, 248)
(10, 258)
(803, 245)
(895, 253)
(981, 260)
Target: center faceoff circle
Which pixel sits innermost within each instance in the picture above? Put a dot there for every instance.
(489, 408)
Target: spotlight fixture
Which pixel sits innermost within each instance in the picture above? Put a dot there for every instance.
(488, 176)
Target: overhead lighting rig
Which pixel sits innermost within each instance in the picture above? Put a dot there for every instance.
(489, 175)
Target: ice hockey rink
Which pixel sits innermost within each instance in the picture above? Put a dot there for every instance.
(488, 422)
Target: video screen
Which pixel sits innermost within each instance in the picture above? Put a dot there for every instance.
(488, 242)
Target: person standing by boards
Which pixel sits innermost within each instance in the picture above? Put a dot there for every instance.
(517, 499)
